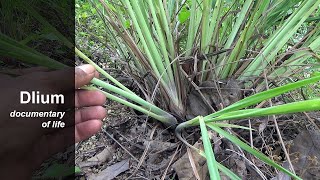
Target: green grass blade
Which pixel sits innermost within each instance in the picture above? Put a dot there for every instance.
(142, 39)
(212, 29)
(211, 161)
(130, 96)
(241, 17)
(205, 24)
(278, 40)
(295, 107)
(192, 28)
(164, 21)
(157, 58)
(257, 98)
(250, 150)
(227, 172)
(227, 125)
(11, 48)
(161, 40)
(147, 112)
(100, 70)
(254, 99)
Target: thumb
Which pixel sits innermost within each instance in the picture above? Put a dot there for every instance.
(84, 74)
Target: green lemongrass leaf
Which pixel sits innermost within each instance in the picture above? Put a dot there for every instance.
(295, 107)
(130, 96)
(241, 45)
(192, 29)
(252, 100)
(6, 39)
(100, 70)
(12, 48)
(289, 66)
(278, 39)
(208, 151)
(44, 22)
(140, 34)
(240, 20)
(211, 161)
(221, 167)
(227, 125)
(227, 172)
(250, 150)
(310, 19)
(265, 95)
(166, 26)
(161, 40)
(164, 119)
(213, 27)
(205, 24)
(157, 58)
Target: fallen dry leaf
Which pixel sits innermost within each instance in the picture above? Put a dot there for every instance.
(100, 158)
(112, 171)
(305, 154)
(185, 171)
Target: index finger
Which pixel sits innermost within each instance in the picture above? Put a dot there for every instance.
(84, 74)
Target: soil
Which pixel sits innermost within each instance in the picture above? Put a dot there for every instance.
(152, 150)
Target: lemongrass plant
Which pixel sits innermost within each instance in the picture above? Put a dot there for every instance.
(231, 112)
(248, 39)
(171, 44)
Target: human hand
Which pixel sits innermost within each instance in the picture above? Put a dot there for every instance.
(24, 143)
(87, 120)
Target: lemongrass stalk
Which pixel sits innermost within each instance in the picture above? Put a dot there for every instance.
(211, 161)
(240, 18)
(166, 120)
(137, 99)
(129, 42)
(107, 25)
(276, 42)
(192, 28)
(228, 65)
(161, 40)
(166, 27)
(150, 42)
(142, 39)
(213, 24)
(100, 70)
(155, 58)
(163, 17)
(205, 24)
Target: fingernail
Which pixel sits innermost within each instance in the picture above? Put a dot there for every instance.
(87, 68)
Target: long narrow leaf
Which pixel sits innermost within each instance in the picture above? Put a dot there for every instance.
(211, 161)
(252, 151)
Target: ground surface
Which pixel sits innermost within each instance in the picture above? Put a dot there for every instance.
(131, 146)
